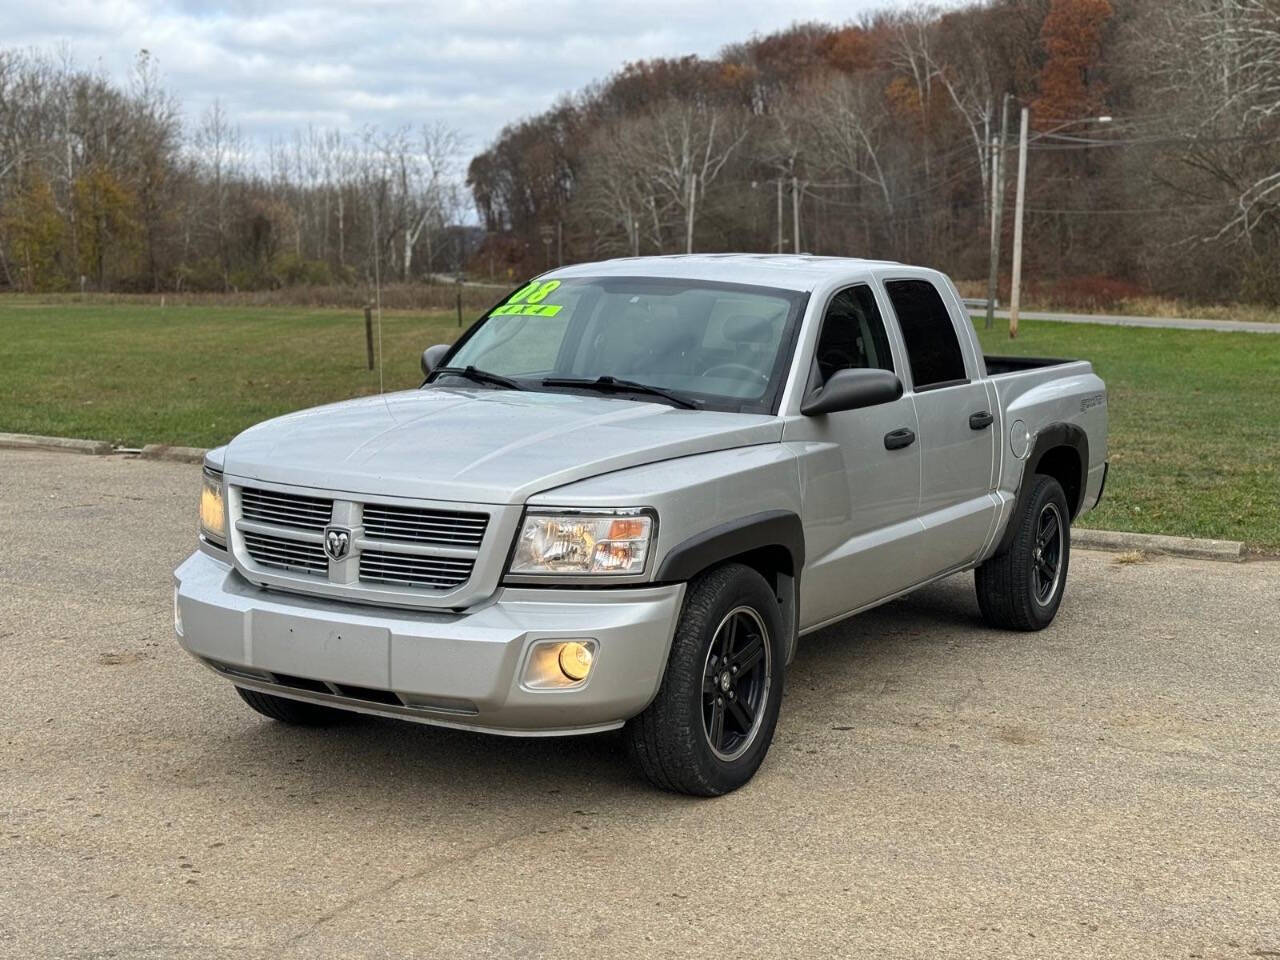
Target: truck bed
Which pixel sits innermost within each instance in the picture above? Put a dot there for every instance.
(997, 365)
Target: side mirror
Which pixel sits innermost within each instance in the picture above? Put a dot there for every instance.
(851, 390)
(432, 356)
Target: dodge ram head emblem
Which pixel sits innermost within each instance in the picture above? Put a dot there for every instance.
(337, 542)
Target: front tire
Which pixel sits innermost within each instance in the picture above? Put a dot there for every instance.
(709, 727)
(293, 712)
(1022, 588)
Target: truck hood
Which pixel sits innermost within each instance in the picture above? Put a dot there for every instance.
(478, 445)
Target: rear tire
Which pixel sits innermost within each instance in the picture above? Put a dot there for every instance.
(294, 712)
(709, 727)
(1022, 588)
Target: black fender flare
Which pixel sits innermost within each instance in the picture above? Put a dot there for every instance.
(772, 528)
(1054, 435)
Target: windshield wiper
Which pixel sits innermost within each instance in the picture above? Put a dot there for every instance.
(476, 375)
(608, 384)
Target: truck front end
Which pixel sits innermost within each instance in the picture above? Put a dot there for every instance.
(472, 615)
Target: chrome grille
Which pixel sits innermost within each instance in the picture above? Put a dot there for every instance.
(286, 554)
(411, 553)
(285, 509)
(408, 570)
(383, 522)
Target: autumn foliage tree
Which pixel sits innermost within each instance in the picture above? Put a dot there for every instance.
(1070, 85)
(106, 223)
(35, 231)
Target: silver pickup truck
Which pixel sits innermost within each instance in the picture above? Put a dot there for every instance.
(623, 496)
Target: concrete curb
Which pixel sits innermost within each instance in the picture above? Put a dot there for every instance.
(28, 441)
(1231, 551)
(159, 451)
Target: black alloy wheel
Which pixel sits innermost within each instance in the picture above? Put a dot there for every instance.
(735, 683)
(1046, 555)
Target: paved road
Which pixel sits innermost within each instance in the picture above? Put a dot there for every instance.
(1116, 320)
(1105, 788)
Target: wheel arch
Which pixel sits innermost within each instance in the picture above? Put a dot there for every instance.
(771, 543)
(1061, 451)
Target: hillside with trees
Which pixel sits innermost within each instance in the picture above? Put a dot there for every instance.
(875, 139)
(872, 138)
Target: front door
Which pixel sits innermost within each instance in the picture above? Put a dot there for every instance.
(861, 495)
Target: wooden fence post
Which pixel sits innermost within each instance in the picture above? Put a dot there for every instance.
(368, 333)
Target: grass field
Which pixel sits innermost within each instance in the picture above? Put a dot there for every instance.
(1194, 425)
(136, 374)
(1195, 416)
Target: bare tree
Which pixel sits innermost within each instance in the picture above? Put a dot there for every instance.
(1217, 64)
(435, 168)
(219, 145)
(682, 149)
(615, 192)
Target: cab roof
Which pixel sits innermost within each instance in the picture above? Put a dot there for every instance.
(782, 270)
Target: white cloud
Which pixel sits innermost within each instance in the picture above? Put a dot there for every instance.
(346, 63)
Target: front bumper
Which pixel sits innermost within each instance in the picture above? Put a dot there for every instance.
(452, 669)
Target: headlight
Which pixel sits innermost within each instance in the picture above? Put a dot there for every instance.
(585, 544)
(213, 511)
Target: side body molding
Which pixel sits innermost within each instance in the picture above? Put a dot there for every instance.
(1054, 435)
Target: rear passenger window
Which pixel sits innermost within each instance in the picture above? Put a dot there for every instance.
(852, 334)
(930, 336)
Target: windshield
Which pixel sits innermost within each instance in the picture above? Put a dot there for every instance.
(722, 346)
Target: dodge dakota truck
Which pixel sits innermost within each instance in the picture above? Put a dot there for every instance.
(625, 493)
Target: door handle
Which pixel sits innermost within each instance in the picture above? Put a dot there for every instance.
(980, 420)
(897, 439)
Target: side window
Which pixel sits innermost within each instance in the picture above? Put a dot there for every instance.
(852, 334)
(927, 330)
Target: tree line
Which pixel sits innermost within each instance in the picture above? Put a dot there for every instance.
(102, 188)
(1153, 162)
(1153, 154)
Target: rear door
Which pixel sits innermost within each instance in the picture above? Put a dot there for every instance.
(957, 505)
(861, 494)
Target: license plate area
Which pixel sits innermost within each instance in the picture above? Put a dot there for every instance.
(339, 652)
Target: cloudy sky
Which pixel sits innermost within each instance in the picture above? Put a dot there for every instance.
(278, 66)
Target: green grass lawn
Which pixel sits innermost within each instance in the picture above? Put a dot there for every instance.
(1194, 425)
(1195, 416)
(190, 375)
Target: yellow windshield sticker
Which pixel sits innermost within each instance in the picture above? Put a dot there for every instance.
(527, 301)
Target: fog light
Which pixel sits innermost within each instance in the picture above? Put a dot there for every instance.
(558, 664)
(575, 660)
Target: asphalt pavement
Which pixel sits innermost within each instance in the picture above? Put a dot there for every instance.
(1105, 788)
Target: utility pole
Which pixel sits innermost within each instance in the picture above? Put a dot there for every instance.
(997, 211)
(1015, 292)
(780, 240)
(795, 215)
(993, 242)
(693, 199)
